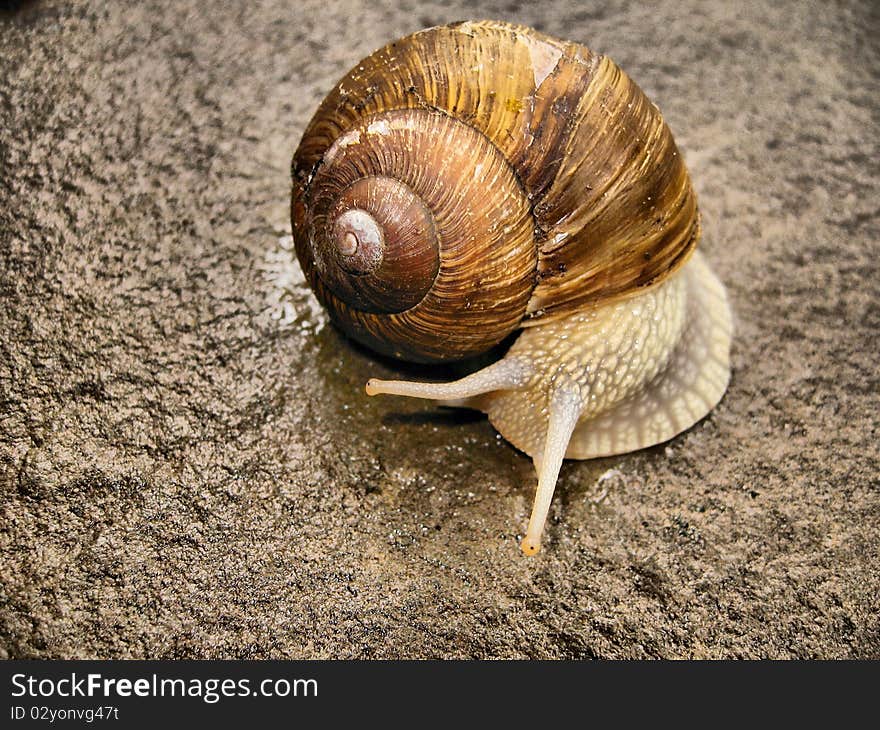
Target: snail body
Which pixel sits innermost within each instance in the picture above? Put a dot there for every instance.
(471, 180)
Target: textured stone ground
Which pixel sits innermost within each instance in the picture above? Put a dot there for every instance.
(189, 466)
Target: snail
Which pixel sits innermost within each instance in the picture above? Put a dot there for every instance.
(481, 178)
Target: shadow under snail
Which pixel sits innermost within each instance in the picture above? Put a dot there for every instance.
(474, 179)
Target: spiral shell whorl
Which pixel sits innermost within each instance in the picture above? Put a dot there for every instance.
(375, 247)
(417, 236)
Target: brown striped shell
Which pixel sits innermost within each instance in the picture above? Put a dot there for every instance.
(474, 178)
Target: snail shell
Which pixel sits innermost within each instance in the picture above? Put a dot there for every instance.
(473, 179)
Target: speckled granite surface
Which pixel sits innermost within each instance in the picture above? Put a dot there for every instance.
(189, 467)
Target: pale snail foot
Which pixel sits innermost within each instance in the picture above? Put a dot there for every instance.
(620, 378)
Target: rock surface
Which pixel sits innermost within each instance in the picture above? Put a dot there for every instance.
(189, 466)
